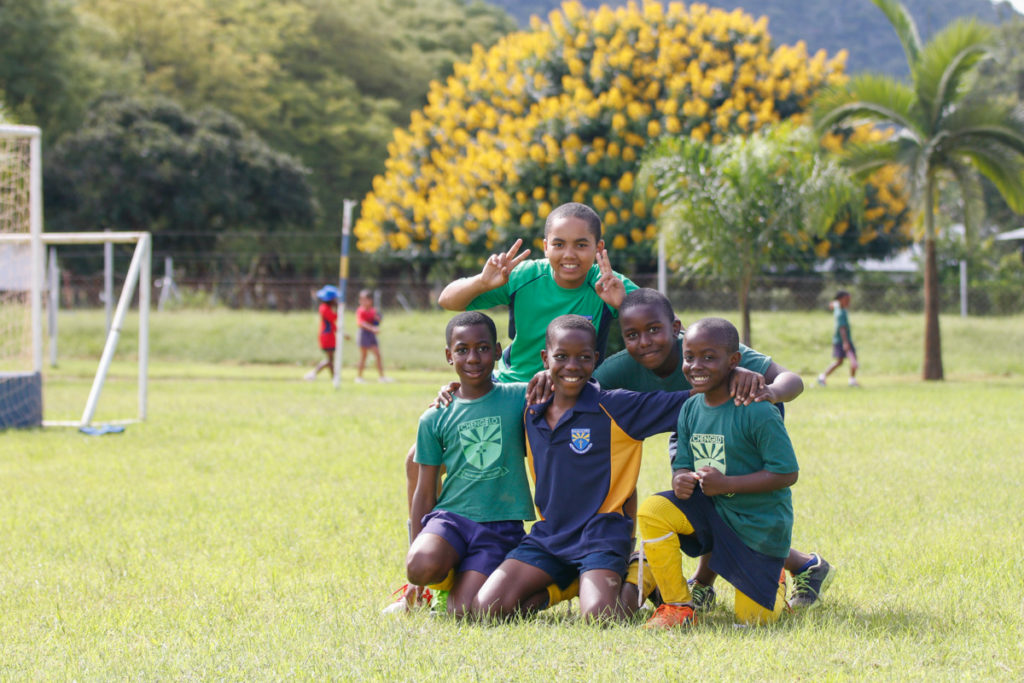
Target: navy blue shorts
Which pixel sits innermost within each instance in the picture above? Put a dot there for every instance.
(564, 572)
(481, 546)
(749, 571)
(839, 352)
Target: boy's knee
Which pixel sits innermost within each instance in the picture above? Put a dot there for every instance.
(492, 602)
(657, 515)
(423, 568)
(651, 510)
(648, 506)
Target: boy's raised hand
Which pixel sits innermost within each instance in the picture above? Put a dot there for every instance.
(498, 266)
(608, 287)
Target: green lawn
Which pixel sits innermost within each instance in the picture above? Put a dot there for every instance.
(253, 526)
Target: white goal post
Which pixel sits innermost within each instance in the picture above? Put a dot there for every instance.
(21, 222)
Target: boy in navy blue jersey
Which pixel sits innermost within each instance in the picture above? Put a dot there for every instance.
(584, 447)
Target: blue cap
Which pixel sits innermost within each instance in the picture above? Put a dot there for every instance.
(328, 293)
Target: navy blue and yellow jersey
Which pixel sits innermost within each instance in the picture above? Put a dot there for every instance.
(587, 466)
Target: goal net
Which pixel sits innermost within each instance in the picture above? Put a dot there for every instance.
(22, 283)
(20, 260)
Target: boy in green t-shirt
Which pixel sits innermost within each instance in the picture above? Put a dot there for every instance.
(730, 490)
(842, 341)
(574, 276)
(652, 361)
(463, 534)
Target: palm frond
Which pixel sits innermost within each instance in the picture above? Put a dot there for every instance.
(946, 63)
(1000, 122)
(868, 97)
(1004, 167)
(904, 26)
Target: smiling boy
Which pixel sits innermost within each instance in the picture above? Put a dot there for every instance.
(466, 531)
(653, 361)
(584, 447)
(574, 277)
(730, 490)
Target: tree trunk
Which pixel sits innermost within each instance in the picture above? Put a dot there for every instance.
(745, 309)
(932, 340)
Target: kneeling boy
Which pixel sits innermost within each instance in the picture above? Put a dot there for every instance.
(463, 534)
(730, 490)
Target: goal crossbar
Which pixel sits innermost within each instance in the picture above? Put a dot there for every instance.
(139, 274)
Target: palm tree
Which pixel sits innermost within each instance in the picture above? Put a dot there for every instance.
(750, 203)
(939, 127)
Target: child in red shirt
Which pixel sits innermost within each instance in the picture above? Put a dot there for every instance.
(328, 296)
(368, 320)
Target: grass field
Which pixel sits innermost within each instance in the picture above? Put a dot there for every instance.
(253, 526)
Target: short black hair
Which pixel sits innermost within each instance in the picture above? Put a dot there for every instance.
(720, 329)
(570, 322)
(645, 296)
(468, 319)
(840, 294)
(575, 210)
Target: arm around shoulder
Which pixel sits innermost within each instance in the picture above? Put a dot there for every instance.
(785, 385)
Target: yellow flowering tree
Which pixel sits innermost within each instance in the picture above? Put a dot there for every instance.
(562, 113)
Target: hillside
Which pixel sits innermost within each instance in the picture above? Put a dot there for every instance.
(857, 26)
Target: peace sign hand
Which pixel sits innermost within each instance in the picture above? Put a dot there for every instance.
(608, 287)
(498, 266)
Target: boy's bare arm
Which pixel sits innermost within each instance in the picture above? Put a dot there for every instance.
(782, 385)
(425, 497)
(714, 483)
(459, 294)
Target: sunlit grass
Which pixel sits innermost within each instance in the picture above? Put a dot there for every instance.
(253, 527)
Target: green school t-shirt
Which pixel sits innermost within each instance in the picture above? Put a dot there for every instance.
(738, 440)
(842, 320)
(534, 300)
(621, 371)
(481, 443)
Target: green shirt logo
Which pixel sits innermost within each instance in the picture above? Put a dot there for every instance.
(708, 450)
(481, 441)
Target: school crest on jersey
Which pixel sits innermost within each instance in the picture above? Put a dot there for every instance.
(481, 441)
(708, 450)
(579, 440)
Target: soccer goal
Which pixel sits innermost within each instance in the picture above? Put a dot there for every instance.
(23, 283)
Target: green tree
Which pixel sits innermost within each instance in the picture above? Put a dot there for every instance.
(326, 81)
(750, 203)
(188, 178)
(562, 113)
(41, 74)
(938, 126)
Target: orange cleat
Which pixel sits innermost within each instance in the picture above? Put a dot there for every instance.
(670, 616)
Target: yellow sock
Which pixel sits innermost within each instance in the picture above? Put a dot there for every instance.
(633, 577)
(557, 595)
(445, 584)
(660, 522)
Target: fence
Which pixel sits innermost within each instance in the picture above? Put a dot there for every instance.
(882, 293)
